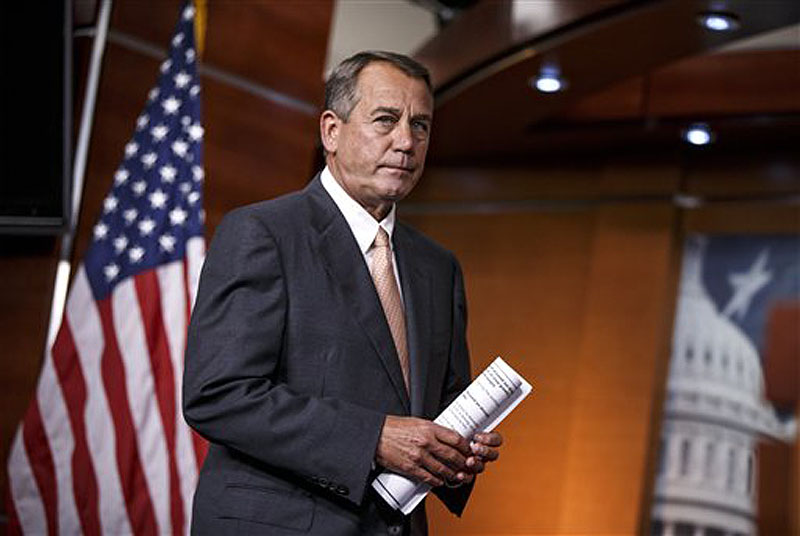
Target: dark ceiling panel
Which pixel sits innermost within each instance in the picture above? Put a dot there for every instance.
(492, 29)
(736, 83)
(491, 111)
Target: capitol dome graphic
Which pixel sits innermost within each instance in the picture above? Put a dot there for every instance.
(715, 412)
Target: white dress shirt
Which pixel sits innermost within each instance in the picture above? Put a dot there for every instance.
(363, 226)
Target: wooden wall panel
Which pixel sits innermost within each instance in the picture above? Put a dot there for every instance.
(749, 173)
(525, 275)
(581, 298)
(625, 333)
(255, 149)
(281, 45)
(276, 44)
(549, 181)
(576, 301)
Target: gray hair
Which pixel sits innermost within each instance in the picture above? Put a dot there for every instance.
(340, 88)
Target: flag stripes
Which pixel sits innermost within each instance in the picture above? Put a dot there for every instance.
(79, 472)
(100, 434)
(99, 397)
(41, 465)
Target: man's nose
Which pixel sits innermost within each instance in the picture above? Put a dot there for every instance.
(403, 138)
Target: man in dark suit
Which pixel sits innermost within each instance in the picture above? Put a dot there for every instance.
(326, 336)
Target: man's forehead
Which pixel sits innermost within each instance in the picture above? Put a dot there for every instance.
(385, 81)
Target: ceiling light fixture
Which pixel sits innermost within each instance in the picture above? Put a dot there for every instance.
(549, 79)
(698, 134)
(718, 21)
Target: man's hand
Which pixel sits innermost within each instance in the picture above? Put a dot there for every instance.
(434, 454)
(484, 448)
(423, 450)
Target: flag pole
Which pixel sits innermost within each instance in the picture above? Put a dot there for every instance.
(78, 171)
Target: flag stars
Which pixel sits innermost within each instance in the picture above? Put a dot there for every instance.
(188, 13)
(185, 188)
(177, 216)
(159, 132)
(168, 173)
(198, 174)
(136, 254)
(177, 40)
(158, 199)
(110, 271)
(171, 105)
(149, 160)
(186, 120)
(179, 147)
(139, 188)
(182, 79)
(121, 176)
(142, 121)
(194, 91)
(100, 231)
(193, 197)
(166, 65)
(131, 148)
(196, 132)
(189, 55)
(120, 243)
(110, 204)
(746, 285)
(146, 226)
(167, 243)
(153, 94)
(130, 215)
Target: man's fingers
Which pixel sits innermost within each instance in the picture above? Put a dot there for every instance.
(439, 469)
(452, 438)
(475, 464)
(486, 453)
(449, 456)
(491, 439)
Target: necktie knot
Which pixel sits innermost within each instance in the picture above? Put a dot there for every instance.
(382, 238)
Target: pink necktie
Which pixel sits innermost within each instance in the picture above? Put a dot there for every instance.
(386, 285)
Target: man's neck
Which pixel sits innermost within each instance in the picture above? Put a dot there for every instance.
(378, 211)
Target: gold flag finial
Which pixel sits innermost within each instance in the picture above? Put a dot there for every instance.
(200, 17)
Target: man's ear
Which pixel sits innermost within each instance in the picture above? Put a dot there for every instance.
(329, 130)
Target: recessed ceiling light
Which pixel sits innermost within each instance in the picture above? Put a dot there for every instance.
(698, 134)
(549, 79)
(718, 21)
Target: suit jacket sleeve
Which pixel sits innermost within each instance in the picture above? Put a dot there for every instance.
(232, 393)
(458, 378)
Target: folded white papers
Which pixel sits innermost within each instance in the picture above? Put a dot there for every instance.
(479, 408)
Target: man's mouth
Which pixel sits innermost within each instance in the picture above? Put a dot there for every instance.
(407, 169)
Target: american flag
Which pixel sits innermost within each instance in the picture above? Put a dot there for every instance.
(103, 447)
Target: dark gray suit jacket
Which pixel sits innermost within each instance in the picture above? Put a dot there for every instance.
(291, 369)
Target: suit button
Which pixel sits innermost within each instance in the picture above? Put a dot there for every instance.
(395, 530)
(342, 490)
(323, 482)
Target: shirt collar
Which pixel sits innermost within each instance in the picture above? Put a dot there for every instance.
(363, 226)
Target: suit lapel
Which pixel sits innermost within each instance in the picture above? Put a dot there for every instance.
(416, 298)
(344, 262)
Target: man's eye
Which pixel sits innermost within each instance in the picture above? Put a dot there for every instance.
(385, 120)
(422, 126)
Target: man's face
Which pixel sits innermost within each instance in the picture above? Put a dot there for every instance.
(379, 153)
